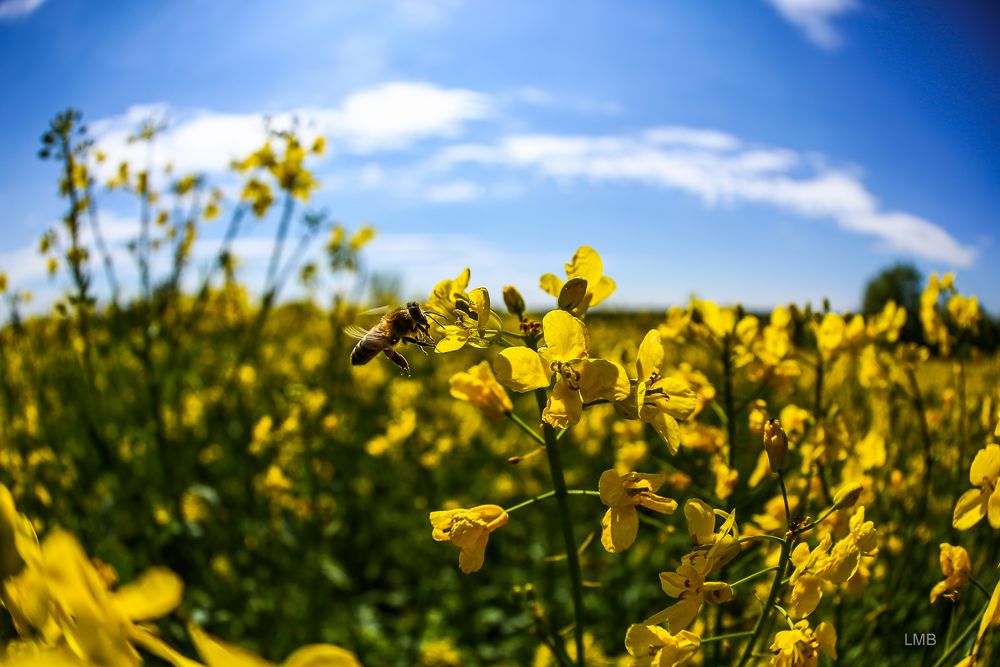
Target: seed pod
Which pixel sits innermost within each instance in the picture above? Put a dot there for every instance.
(847, 496)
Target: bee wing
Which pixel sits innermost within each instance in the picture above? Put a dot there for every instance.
(355, 331)
(381, 310)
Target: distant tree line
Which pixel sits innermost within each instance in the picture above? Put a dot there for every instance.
(903, 283)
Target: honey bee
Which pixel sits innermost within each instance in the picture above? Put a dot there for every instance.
(407, 324)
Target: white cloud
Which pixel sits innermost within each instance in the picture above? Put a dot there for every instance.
(718, 173)
(815, 18)
(391, 116)
(12, 9)
(453, 191)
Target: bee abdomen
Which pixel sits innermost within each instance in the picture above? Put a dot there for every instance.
(364, 352)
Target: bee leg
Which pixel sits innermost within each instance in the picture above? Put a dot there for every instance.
(398, 359)
(416, 341)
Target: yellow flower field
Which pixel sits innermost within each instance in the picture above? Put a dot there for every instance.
(205, 478)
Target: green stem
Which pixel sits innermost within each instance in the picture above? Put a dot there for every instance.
(727, 397)
(524, 427)
(818, 521)
(953, 649)
(550, 494)
(981, 588)
(784, 497)
(773, 538)
(786, 550)
(751, 577)
(572, 557)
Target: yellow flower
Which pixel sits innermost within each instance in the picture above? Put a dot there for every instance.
(984, 500)
(10, 525)
(652, 646)
(472, 319)
(622, 494)
(687, 584)
(956, 567)
(888, 323)
(469, 530)
(862, 540)
(579, 379)
(586, 264)
(806, 579)
(758, 417)
(701, 527)
(830, 335)
(62, 594)
(658, 401)
(478, 386)
(990, 618)
(935, 329)
(217, 653)
(800, 646)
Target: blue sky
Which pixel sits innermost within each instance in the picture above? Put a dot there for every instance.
(758, 151)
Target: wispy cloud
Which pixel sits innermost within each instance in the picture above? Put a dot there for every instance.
(391, 116)
(815, 18)
(719, 169)
(12, 9)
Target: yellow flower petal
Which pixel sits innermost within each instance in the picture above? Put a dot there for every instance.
(827, 636)
(700, 520)
(650, 356)
(666, 426)
(480, 300)
(586, 264)
(217, 653)
(321, 655)
(454, 339)
(969, 510)
(604, 288)
(602, 379)
(986, 465)
(806, 595)
(678, 616)
(521, 369)
(565, 336)
(619, 527)
(155, 593)
(564, 406)
(551, 284)
(611, 489)
(993, 507)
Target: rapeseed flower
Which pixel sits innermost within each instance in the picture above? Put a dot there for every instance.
(956, 567)
(659, 401)
(984, 500)
(469, 530)
(652, 646)
(687, 583)
(801, 646)
(622, 494)
(579, 379)
(586, 265)
(479, 386)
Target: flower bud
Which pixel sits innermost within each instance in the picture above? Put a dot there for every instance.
(776, 445)
(572, 296)
(847, 496)
(514, 301)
